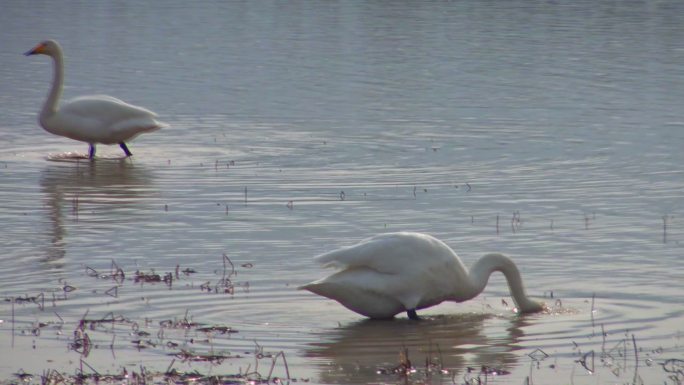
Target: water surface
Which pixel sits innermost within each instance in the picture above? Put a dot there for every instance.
(549, 131)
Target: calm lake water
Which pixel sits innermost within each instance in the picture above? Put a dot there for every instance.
(551, 131)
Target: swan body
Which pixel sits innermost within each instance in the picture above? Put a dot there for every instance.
(91, 119)
(390, 273)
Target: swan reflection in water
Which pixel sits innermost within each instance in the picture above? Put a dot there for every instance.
(358, 352)
(105, 187)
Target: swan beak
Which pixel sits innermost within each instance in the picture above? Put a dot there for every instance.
(40, 48)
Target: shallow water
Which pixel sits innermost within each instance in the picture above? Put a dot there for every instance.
(300, 127)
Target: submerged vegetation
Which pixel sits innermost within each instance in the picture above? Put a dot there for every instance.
(183, 341)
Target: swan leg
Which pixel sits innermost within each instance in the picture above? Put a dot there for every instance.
(412, 314)
(91, 151)
(125, 148)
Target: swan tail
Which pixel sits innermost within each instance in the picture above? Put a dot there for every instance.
(304, 287)
(334, 259)
(130, 129)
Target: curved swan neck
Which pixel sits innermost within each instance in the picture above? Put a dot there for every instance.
(489, 263)
(50, 106)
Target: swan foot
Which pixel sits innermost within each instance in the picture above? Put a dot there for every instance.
(91, 152)
(125, 148)
(411, 313)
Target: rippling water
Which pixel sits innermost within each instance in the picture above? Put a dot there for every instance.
(549, 131)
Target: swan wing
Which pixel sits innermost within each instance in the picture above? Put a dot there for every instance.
(107, 108)
(393, 253)
(105, 119)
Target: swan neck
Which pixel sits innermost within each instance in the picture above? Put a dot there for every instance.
(50, 106)
(490, 263)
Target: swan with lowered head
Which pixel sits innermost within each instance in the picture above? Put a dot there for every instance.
(91, 119)
(395, 272)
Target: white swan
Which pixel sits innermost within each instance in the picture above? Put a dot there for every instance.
(91, 119)
(391, 273)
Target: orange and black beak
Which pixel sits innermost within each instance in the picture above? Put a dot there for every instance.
(40, 48)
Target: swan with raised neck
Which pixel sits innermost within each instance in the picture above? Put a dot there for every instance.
(91, 119)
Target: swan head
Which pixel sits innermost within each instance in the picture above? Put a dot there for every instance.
(529, 306)
(47, 47)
